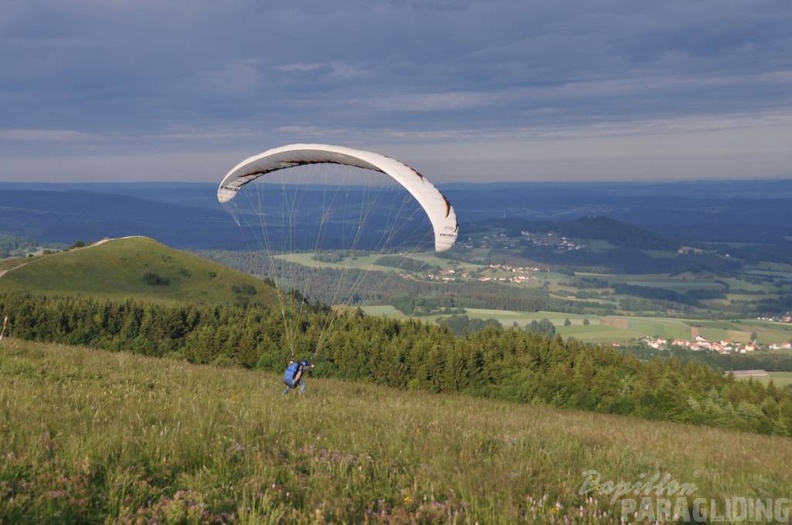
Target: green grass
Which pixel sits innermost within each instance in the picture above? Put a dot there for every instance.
(681, 283)
(661, 254)
(7, 264)
(93, 437)
(361, 262)
(384, 311)
(598, 334)
(369, 262)
(599, 245)
(659, 327)
(772, 273)
(680, 286)
(741, 330)
(116, 269)
(767, 331)
(737, 286)
(523, 318)
(780, 379)
(594, 332)
(618, 329)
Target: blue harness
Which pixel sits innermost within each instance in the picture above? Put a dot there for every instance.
(290, 373)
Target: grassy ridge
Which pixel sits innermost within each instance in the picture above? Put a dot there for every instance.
(89, 436)
(117, 269)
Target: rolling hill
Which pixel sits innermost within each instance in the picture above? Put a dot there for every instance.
(617, 233)
(132, 267)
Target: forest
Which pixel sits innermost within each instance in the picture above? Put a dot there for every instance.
(504, 363)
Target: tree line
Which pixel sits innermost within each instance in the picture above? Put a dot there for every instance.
(504, 363)
(12, 246)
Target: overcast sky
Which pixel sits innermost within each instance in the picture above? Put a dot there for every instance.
(462, 90)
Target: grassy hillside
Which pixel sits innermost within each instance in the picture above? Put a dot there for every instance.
(136, 267)
(92, 437)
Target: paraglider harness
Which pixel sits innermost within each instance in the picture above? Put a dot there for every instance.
(292, 376)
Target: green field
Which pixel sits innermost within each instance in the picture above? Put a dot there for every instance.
(741, 330)
(598, 334)
(385, 311)
(620, 329)
(680, 286)
(686, 282)
(781, 379)
(361, 262)
(96, 437)
(785, 275)
(369, 261)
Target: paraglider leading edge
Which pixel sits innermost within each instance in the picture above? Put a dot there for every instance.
(437, 207)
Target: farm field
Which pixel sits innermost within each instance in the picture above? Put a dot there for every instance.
(680, 283)
(622, 329)
(369, 261)
(740, 287)
(362, 262)
(780, 379)
(741, 330)
(90, 436)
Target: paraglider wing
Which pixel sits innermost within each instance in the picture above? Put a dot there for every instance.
(440, 212)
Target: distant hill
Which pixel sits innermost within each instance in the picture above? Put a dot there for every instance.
(137, 267)
(187, 215)
(617, 233)
(591, 227)
(70, 215)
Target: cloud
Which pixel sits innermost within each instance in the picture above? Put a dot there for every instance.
(141, 77)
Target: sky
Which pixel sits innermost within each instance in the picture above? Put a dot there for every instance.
(462, 90)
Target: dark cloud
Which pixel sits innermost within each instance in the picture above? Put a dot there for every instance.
(149, 71)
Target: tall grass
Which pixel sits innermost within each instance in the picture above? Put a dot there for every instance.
(94, 437)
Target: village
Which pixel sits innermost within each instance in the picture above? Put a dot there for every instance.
(502, 240)
(560, 243)
(518, 274)
(701, 344)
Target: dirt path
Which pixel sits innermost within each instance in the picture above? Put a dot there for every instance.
(97, 243)
(3, 272)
